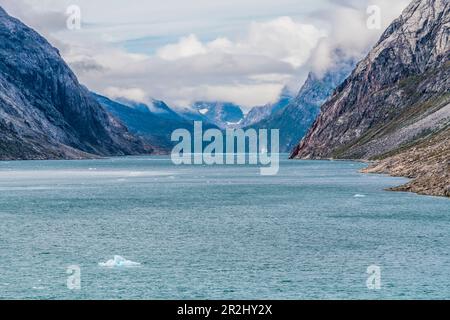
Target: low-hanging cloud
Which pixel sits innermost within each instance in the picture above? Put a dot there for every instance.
(220, 69)
(348, 36)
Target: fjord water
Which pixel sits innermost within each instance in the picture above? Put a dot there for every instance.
(216, 232)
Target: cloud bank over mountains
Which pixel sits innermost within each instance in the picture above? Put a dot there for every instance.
(187, 51)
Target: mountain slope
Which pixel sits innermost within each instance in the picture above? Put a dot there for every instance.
(44, 112)
(295, 119)
(397, 98)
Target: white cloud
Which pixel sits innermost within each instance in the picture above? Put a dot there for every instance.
(249, 70)
(249, 94)
(282, 39)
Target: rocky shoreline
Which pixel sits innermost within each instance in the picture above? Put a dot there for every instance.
(426, 164)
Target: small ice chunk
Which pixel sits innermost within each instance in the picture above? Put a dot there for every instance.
(38, 288)
(119, 262)
(359, 196)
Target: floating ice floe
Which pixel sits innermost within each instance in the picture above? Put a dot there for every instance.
(38, 288)
(119, 262)
(359, 196)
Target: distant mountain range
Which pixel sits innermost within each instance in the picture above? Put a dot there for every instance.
(395, 105)
(44, 112)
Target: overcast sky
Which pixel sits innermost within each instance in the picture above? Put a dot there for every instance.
(180, 51)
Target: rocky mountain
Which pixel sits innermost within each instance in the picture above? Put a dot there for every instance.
(258, 114)
(44, 111)
(296, 118)
(395, 105)
(221, 114)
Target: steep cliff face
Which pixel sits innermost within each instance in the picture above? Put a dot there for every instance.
(396, 96)
(44, 112)
(295, 119)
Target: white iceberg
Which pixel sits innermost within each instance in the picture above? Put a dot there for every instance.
(119, 262)
(359, 196)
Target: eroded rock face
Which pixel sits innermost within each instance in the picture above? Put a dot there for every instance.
(403, 80)
(44, 112)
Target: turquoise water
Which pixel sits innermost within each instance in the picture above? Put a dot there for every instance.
(221, 232)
